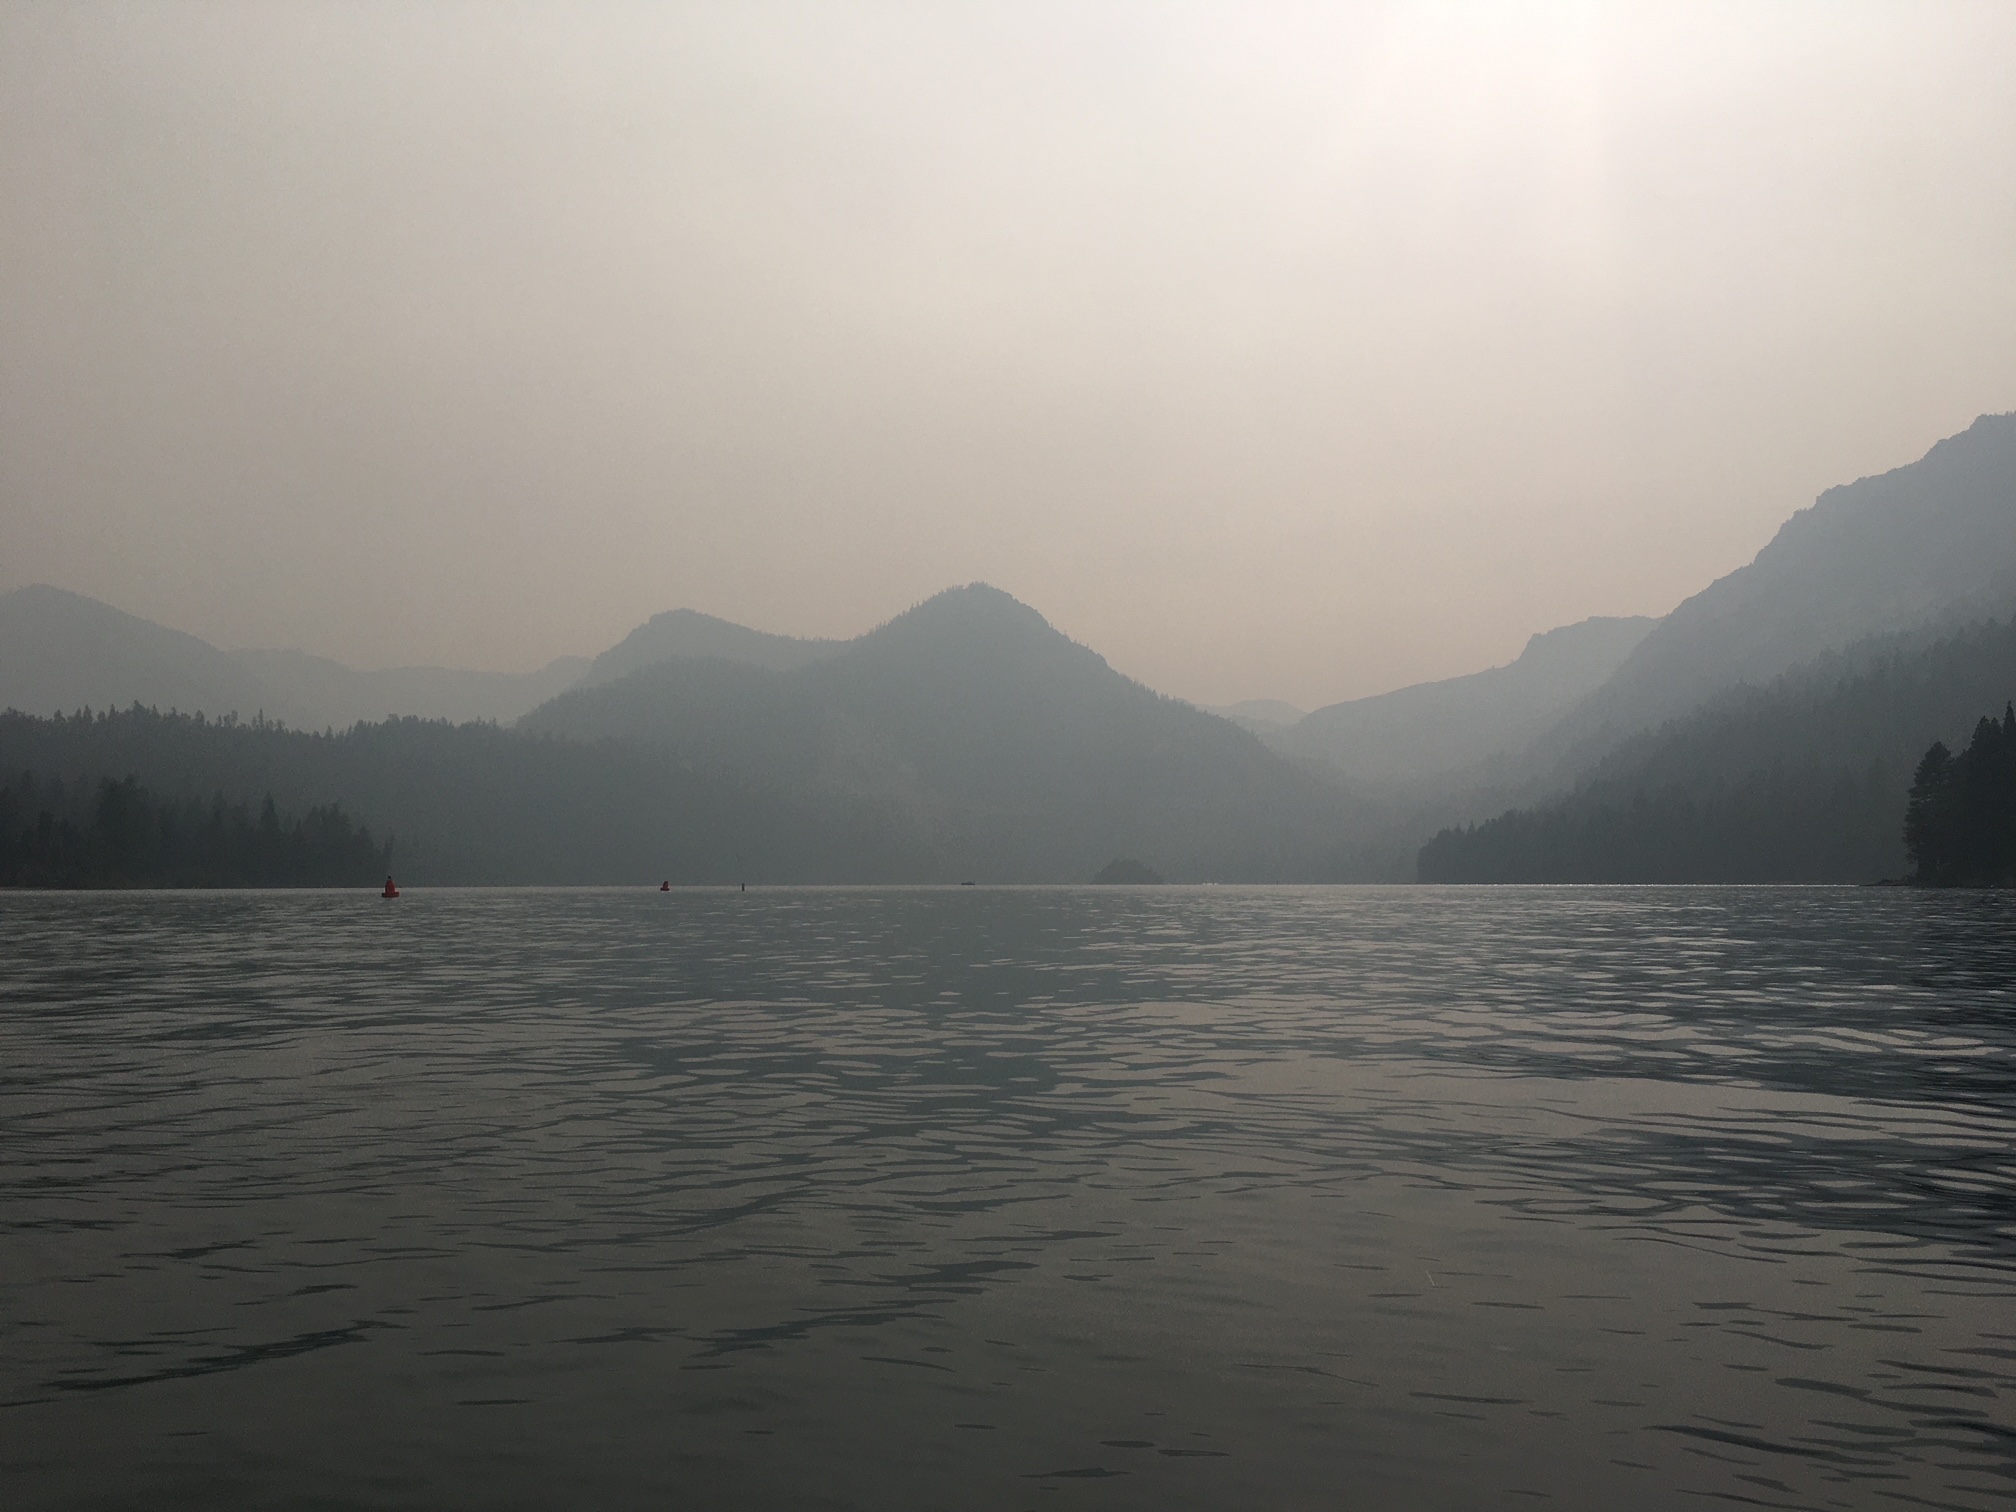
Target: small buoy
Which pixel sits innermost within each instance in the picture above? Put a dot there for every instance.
(665, 886)
(390, 890)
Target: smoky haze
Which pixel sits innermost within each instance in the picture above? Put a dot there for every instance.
(1285, 352)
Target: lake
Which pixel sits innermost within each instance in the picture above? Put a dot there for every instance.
(1009, 1198)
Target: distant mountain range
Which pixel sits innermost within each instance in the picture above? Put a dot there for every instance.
(964, 740)
(1801, 779)
(1763, 729)
(1767, 729)
(61, 651)
(986, 738)
(1931, 544)
(1424, 733)
(1263, 716)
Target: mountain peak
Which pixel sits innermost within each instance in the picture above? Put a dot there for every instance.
(66, 651)
(972, 616)
(1933, 541)
(687, 633)
(976, 601)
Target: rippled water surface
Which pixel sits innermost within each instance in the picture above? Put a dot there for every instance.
(1632, 1198)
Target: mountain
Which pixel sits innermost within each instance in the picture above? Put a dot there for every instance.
(1901, 559)
(1933, 542)
(332, 695)
(1760, 730)
(1801, 779)
(1433, 729)
(463, 804)
(988, 742)
(61, 650)
(1265, 717)
(963, 740)
(686, 634)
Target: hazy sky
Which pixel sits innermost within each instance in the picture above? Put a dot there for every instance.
(1271, 350)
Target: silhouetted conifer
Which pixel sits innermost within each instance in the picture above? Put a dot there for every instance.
(1960, 824)
(122, 835)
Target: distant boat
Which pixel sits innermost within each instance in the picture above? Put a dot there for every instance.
(390, 890)
(665, 886)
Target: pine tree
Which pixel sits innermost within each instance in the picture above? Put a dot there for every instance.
(1960, 825)
(1928, 816)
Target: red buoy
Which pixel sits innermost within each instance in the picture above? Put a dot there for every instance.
(665, 886)
(390, 890)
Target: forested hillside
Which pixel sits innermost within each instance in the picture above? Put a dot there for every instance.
(1932, 543)
(686, 634)
(1429, 730)
(1803, 779)
(982, 736)
(475, 804)
(967, 740)
(1960, 825)
(119, 834)
(63, 651)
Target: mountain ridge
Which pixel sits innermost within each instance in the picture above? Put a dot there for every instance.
(966, 735)
(65, 651)
(1427, 730)
(990, 738)
(687, 633)
(1931, 541)
(1800, 779)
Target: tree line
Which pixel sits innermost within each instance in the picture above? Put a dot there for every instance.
(1960, 822)
(471, 803)
(117, 833)
(726, 800)
(1803, 779)
(1785, 824)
